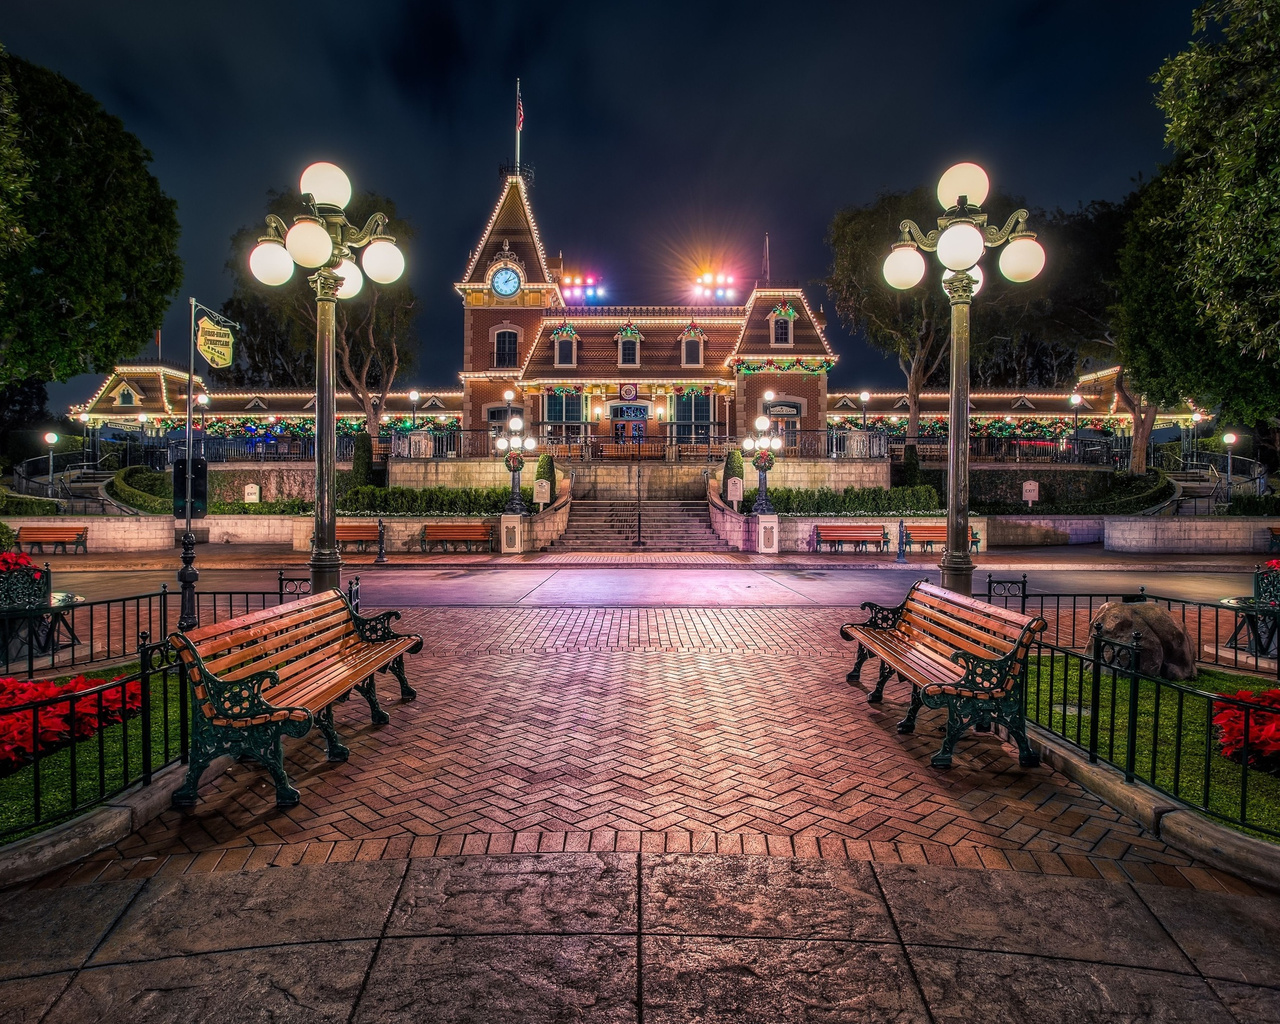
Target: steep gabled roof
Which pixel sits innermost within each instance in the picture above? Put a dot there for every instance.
(808, 339)
(512, 223)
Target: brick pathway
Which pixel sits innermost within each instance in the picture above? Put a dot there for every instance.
(646, 729)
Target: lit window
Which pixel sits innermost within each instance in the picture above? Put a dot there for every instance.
(693, 351)
(693, 418)
(781, 331)
(505, 350)
(126, 397)
(630, 352)
(564, 351)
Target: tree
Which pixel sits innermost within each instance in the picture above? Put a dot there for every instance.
(101, 265)
(1221, 98)
(1168, 353)
(278, 345)
(15, 169)
(913, 325)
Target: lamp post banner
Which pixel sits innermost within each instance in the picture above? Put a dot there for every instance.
(216, 344)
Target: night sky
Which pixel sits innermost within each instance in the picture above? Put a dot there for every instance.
(661, 132)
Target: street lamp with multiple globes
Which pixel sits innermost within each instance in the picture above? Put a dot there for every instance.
(323, 240)
(513, 443)
(764, 444)
(960, 240)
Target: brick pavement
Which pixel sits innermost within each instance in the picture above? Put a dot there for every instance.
(646, 729)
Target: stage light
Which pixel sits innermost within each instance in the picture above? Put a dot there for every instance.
(591, 280)
(719, 293)
(590, 291)
(719, 278)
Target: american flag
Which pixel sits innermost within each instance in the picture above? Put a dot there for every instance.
(519, 110)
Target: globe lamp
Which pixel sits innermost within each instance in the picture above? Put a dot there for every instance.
(309, 243)
(975, 272)
(383, 261)
(904, 267)
(1022, 259)
(968, 180)
(352, 279)
(271, 263)
(960, 246)
(327, 183)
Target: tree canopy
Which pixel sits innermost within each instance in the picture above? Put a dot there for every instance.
(101, 264)
(277, 346)
(15, 171)
(1221, 97)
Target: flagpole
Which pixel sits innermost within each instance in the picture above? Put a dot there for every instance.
(187, 575)
(517, 126)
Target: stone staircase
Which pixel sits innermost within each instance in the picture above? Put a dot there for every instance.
(665, 526)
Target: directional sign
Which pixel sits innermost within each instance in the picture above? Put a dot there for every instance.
(214, 343)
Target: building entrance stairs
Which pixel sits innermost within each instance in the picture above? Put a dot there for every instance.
(663, 526)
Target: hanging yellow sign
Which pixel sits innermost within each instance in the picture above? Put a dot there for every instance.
(214, 343)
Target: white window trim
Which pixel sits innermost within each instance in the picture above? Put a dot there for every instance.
(791, 331)
(494, 331)
(555, 352)
(702, 353)
(516, 410)
(619, 339)
(800, 403)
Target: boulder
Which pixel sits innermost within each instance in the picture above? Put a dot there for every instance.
(1166, 650)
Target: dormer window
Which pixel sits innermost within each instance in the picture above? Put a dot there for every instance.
(565, 340)
(782, 325)
(126, 397)
(691, 344)
(628, 340)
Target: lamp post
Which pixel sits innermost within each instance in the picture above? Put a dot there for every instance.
(865, 397)
(142, 438)
(764, 444)
(1195, 436)
(84, 438)
(414, 398)
(1228, 439)
(513, 443)
(323, 240)
(960, 239)
(1075, 443)
(51, 439)
(203, 402)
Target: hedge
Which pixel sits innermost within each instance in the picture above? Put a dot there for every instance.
(1129, 495)
(732, 467)
(1254, 505)
(547, 471)
(852, 501)
(23, 505)
(283, 507)
(143, 489)
(430, 501)
(8, 538)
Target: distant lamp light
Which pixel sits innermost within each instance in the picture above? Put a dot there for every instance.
(1022, 259)
(84, 417)
(776, 443)
(530, 443)
(51, 438)
(142, 417)
(271, 263)
(508, 395)
(327, 183)
(767, 396)
(729, 293)
(516, 423)
(762, 423)
(202, 399)
(382, 261)
(864, 397)
(503, 444)
(414, 396)
(748, 443)
(1229, 439)
(960, 246)
(975, 272)
(386, 418)
(1196, 417)
(1076, 399)
(968, 180)
(308, 243)
(904, 266)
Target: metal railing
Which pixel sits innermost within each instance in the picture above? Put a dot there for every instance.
(1015, 448)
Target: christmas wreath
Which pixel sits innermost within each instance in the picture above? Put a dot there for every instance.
(514, 461)
(763, 460)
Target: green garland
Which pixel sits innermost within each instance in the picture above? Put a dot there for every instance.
(565, 330)
(629, 330)
(1053, 429)
(567, 389)
(694, 331)
(692, 389)
(814, 366)
(785, 311)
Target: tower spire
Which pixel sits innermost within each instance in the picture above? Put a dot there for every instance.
(519, 123)
(765, 267)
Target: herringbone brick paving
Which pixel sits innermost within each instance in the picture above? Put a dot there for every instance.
(656, 729)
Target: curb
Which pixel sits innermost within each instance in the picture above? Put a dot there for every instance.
(96, 829)
(1254, 860)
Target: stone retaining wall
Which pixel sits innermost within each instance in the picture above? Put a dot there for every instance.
(110, 533)
(419, 473)
(1019, 531)
(1205, 535)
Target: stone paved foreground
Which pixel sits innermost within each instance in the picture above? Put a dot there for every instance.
(659, 729)
(663, 939)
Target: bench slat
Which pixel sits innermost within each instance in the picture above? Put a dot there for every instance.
(298, 611)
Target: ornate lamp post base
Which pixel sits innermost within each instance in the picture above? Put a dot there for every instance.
(188, 576)
(763, 506)
(515, 504)
(957, 572)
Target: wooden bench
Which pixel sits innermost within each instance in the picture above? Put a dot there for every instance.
(965, 655)
(927, 535)
(443, 533)
(36, 537)
(359, 532)
(276, 672)
(837, 534)
(710, 452)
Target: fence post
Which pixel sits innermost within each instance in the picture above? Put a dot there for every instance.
(382, 544)
(280, 586)
(145, 690)
(990, 581)
(902, 541)
(353, 593)
(1023, 608)
(1131, 739)
(164, 609)
(1095, 695)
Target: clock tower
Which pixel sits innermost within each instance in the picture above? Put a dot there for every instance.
(508, 286)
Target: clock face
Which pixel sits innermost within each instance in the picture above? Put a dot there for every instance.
(506, 282)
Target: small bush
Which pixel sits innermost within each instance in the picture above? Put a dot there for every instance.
(283, 507)
(430, 501)
(24, 505)
(732, 467)
(547, 471)
(910, 466)
(8, 537)
(852, 501)
(1254, 505)
(143, 489)
(362, 461)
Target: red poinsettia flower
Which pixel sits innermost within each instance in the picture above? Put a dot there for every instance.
(1264, 725)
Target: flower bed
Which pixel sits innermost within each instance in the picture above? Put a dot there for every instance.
(57, 725)
(1264, 728)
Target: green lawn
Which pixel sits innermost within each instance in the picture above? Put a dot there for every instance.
(71, 779)
(1195, 772)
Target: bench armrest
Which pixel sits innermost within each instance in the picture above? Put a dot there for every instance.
(882, 617)
(377, 629)
(984, 673)
(238, 699)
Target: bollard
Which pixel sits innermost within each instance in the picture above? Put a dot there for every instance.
(382, 544)
(902, 541)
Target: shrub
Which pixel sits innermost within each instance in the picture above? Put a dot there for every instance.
(852, 501)
(430, 501)
(910, 466)
(362, 461)
(138, 486)
(1254, 505)
(282, 507)
(732, 467)
(8, 537)
(24, 505)
(1126, 495)
(547, 471)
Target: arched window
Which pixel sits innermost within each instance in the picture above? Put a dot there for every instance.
(505, 349)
